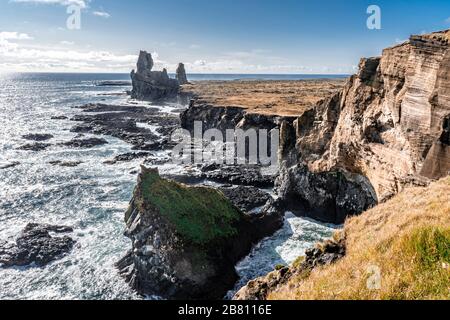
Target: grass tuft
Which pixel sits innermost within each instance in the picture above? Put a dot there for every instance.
(202, 216)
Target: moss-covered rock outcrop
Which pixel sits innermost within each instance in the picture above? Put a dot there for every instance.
(186, 240)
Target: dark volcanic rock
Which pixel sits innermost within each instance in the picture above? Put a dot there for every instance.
(187, 240)
(329, 196)
(59, 118)
(85, 143)
(246, 198)
(152, 85)
(122, 122)
(325, 253)
(181, 74)
(69, 164)
(127, 157)
(37, 137)
(9, 165)
(114, 83)
(212, 117)
(38, 146)
(239, 175)
(36, 245)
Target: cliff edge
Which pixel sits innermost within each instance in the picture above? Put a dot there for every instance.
(399, 250)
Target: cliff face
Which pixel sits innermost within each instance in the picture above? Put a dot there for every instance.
(186, 240)
(387, 129)
(390, 124)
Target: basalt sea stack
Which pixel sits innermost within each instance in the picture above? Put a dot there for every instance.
(187, 240)
(152, 85)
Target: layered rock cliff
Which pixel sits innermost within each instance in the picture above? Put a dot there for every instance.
(186, 240)
(389, 127)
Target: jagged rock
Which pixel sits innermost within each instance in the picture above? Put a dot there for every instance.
(113, 83)
(181, 74)
(68, 164)
(247, 175)
(122, 122)
(38, 137)
(38, 146)
(8, 165)
(59, 118)
(323, 254)
(85, 143)
(387, 128)
(328, 197)
(152, 85)
(144, 63)
(246, 198)
(127, 157)
(186, 240)
(36, 245)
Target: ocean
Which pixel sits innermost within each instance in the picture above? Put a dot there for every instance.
(91, 197)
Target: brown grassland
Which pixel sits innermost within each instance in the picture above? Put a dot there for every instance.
(287, 98)
(407, 238)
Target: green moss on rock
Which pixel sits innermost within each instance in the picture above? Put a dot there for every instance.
(200, 215)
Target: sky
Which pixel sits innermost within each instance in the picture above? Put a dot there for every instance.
(209, 36)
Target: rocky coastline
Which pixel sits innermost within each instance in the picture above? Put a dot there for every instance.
(387, 128)
(363, 144)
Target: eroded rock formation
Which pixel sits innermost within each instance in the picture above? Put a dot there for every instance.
(152, 85)
(36, 245)
(181, 74)
(186, 240)
(388, 127)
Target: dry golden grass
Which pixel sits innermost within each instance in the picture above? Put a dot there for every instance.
(407, 238)
(287, 98)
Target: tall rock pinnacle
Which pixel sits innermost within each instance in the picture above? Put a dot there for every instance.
(181, 74)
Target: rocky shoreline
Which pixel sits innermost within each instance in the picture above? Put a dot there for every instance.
(355, 148)
(341, 157)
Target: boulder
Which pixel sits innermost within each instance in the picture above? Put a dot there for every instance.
(37, 137)
(85, 143)
(246, 198)
(36, 245)
(38, 146)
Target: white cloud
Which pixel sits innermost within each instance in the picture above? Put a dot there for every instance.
(5, 35)
(67, 43)
(16, 56)
(102, 14)
(80, 3)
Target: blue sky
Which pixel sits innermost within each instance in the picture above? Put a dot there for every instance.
(210, 36)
